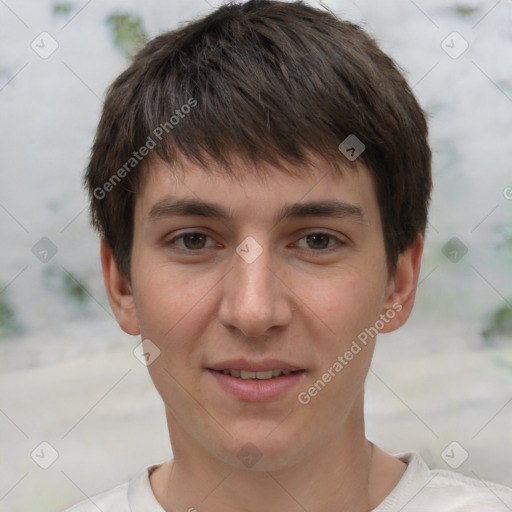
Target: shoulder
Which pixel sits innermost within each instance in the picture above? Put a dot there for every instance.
(423, 490)
(470, 493)
(113, 499)
(136, 494)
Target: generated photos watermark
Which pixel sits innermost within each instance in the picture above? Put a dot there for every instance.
(137, 156)
(304, 397)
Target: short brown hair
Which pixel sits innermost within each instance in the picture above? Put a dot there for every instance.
(269, 81)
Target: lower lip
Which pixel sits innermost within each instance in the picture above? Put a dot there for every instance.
(256, 390)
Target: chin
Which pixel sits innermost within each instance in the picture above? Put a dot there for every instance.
(264, 450)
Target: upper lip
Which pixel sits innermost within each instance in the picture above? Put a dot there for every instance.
(254, 366)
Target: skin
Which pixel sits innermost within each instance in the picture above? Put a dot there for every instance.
(302, 300)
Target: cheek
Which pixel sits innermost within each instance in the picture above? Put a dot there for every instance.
(348, 302)
(171, 312)
(174, 311)
(350, 309)
(167, 299)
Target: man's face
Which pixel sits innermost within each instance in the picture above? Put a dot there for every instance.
(253, 291)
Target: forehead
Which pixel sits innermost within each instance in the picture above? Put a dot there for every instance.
(250, 189)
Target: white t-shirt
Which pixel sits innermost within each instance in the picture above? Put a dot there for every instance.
(419, 490)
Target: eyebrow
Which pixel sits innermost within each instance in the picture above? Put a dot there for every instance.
(169, 207)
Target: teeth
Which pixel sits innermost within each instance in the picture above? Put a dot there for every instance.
(242, 374)
(256, 375)
(278, 373)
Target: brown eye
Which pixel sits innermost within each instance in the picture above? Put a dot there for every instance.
(318, 240)
(194, 240)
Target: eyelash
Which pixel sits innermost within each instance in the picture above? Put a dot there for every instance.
(339, 243)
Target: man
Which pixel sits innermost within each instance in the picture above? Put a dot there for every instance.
(260, 179)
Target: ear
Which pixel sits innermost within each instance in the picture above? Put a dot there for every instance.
(401, 289)
(119, 292)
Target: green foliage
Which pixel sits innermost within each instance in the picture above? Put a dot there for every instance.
(9, 324)
(67, 284)
(62, 8)
(466, 10)
(499, 324)
(74, 289)
(128, 32)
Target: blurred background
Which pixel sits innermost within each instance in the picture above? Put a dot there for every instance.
(441, 385)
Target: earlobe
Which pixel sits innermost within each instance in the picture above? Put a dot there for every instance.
(403, 284)
(119, 292)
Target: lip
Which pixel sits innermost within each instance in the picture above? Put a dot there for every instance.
(255, 390)
(254, 366)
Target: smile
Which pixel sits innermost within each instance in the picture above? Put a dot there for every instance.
(257, 386)
(243, 374)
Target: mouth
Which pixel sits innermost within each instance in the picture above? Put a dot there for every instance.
(248, 375)
(265, 381)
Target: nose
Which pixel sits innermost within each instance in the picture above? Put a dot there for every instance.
(255, 297)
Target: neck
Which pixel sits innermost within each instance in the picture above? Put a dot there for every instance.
(347, 474)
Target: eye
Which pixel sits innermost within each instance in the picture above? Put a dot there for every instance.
(192, 241)
(319, 241)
